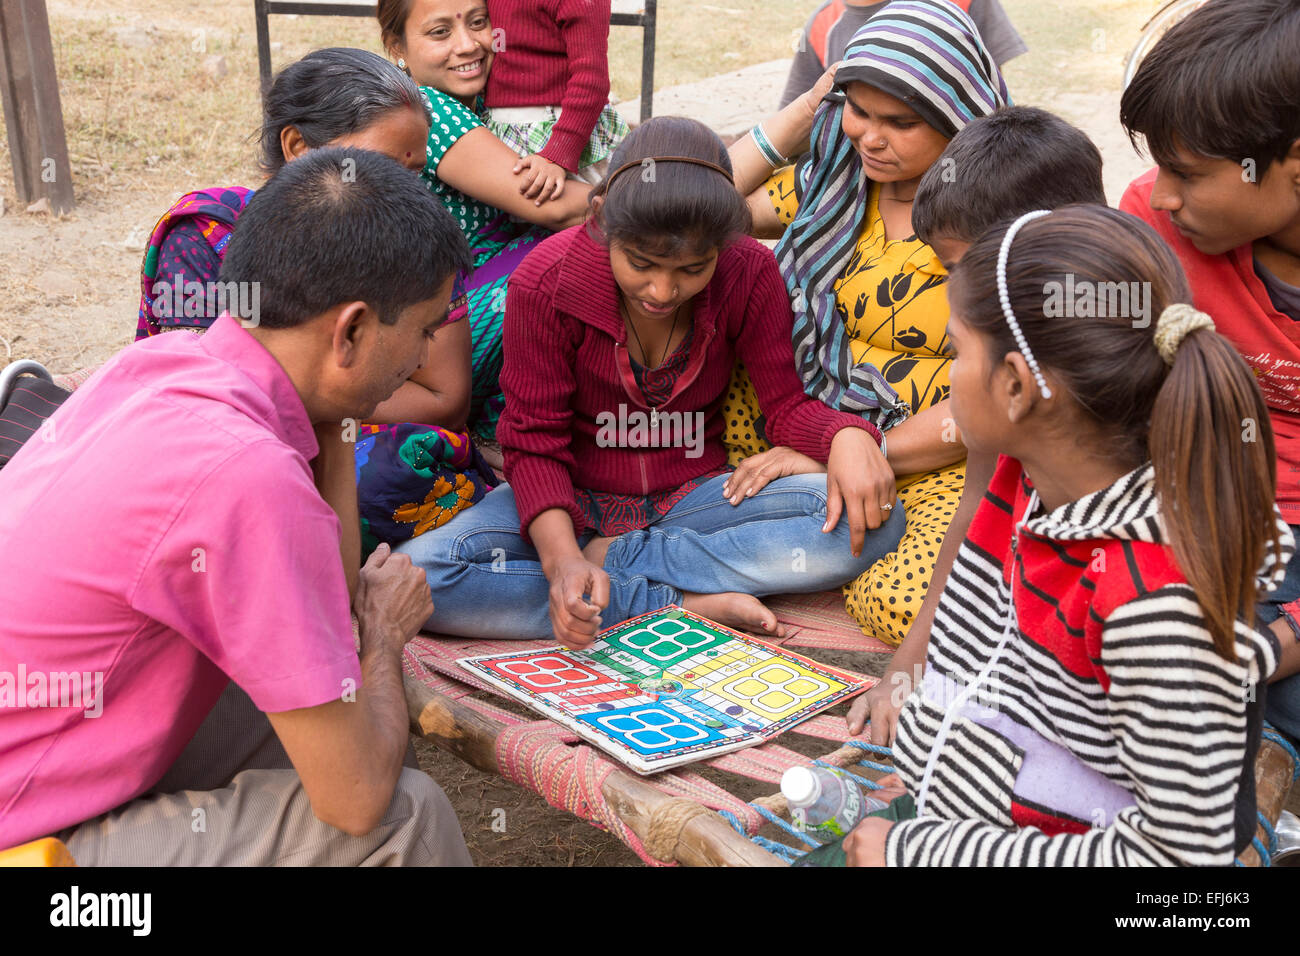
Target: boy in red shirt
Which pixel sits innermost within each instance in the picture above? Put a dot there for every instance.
(1216, 102)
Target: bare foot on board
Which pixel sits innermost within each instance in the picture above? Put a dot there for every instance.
(744, 612)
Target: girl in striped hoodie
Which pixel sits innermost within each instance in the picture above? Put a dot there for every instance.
(1095, 680)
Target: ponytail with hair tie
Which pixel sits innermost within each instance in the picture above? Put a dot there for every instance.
(1177, 322)
(1211, 446)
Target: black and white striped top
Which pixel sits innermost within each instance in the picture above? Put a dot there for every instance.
(1108, 731)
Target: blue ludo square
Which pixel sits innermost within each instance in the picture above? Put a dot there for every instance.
(650, 728)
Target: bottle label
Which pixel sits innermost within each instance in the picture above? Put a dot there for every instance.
(840, 824)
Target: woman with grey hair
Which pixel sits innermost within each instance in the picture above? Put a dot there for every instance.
(332, 97)
(339, 97)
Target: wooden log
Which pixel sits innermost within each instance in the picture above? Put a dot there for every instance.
(705, 840)
(1273, 775)
(29, 89)
(263, 31)
(453, 727)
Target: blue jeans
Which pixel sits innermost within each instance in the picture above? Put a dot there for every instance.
(1282, 702)
(488, 582)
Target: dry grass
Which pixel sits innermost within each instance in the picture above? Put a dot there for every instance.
(139, 105)
(146, 122)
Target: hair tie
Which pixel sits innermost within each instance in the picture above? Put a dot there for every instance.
(667, 159)
(1005, 298)
(1177, 322)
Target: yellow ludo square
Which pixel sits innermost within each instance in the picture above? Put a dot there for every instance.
(775, 688)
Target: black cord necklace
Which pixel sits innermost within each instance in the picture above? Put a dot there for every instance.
(627, 316)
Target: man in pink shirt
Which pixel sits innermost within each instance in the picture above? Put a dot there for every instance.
(182, 534)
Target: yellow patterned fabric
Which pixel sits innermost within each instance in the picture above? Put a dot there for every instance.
(895, 310)
(885, 598)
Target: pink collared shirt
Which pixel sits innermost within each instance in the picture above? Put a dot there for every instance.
(161, 536)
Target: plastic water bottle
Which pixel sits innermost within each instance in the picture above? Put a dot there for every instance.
(824, 803)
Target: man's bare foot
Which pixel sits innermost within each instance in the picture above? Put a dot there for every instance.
(596, 549)
(744, 612)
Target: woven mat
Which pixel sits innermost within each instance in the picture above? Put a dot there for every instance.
(819, 620)
(811, 620)
(816, 620)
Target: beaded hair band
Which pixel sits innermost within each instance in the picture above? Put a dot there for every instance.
(1177, 322)
(1005, 298)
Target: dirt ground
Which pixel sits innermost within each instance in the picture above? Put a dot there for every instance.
(160, 98)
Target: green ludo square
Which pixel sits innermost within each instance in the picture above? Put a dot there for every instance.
(668, 639)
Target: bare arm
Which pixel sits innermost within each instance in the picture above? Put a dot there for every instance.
(439, 391)
(1289, 662)
(574, 619)
(927, 441)
(334, 468)
(481, 166)
(787, 130)
(348, 752)
(882, 703)
(765, 224)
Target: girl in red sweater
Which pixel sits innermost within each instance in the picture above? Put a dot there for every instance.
(620, 337)
(548, 92)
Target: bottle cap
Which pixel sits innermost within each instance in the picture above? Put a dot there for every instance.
(799, 786)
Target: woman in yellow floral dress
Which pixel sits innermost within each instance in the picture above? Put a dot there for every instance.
(870, 305)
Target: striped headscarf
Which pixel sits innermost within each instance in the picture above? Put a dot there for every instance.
(928, 54)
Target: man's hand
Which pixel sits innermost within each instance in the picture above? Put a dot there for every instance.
(393, 600)
(537, 175)
(574, 618)
(865, 845)
(348, 752)
(752, 474)
(859, 482)
(880, 706)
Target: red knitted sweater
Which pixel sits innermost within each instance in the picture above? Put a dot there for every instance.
(566, 363)
(555, 53)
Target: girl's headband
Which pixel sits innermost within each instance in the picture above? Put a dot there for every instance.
(1005, 298)
(1176, 322)
(666, 159)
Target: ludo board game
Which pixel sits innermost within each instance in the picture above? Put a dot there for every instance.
(669, 688)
